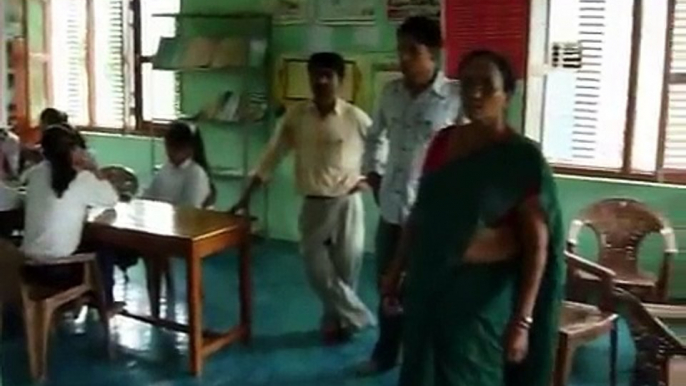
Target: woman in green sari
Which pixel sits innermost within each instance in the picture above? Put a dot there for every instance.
(479, 314)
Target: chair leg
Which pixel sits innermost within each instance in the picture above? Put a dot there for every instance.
(168, 278)
(101, 305)
(563, 361)
(37, 324)
(614, 343)
(154, 282)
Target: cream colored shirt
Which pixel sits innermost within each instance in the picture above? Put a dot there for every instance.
(328, 150)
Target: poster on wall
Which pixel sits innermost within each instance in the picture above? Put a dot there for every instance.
(346, 11)
(399, 10)
(291, 11)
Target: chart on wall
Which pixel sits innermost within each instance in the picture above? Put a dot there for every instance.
(291, 11)
(398, 10)
(346, 11)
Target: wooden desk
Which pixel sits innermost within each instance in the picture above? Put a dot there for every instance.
(158, 229)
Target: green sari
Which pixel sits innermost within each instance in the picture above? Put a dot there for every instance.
(457, 313)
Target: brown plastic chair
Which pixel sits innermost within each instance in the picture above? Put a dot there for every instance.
(40, 301)
(582, 323)
(620, 226)
(656, 345)
(123, 179)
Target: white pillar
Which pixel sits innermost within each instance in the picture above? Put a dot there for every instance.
(4, 87)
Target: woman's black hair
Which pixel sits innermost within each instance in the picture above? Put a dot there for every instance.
(329, 61)
(58, 142)
(499, 61)
(52, 116)
(182, 134)
(424, 30)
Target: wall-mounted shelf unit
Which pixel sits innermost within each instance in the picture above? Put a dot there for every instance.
(219, 58)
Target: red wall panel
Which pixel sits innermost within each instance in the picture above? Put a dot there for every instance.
(498, 25)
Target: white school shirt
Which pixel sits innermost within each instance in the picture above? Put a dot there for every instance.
(54, 225)
(10, 149)
(185, 185)
(9, 197)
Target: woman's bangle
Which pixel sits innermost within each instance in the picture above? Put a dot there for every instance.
(524, 322)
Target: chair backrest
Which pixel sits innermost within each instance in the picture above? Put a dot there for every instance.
(124, 180)
(620, 226)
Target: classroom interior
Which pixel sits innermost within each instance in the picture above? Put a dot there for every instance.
(128, 60)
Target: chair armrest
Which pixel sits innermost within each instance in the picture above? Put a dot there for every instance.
(606, 277)
(667, 312)
(573, 234)
(669, 240)
(44, 261)
(577, 262)
(646, 316)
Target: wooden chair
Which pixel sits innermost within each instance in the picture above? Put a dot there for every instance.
(40, 301)
(620, 226)
(582, 323)
(657, 346)
(124, 180)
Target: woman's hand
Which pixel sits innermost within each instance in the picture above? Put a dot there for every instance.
(492, 245)
(517, 343)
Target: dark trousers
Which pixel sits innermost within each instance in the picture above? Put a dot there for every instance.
(387, 350)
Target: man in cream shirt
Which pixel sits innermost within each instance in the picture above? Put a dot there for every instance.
(326, 136)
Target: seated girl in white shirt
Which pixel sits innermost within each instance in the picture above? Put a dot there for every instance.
(59, 192)
(184, 179)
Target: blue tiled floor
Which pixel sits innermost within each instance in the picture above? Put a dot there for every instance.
(286, 349)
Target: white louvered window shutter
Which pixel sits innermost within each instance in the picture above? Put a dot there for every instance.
(110, 65)
(585, 107)
(69, 75)
(90, 70)
(675, 134)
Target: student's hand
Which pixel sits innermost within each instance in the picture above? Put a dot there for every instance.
(517, 343)
(241, 206)
(361, 186)
(373, 180)
(83, 161)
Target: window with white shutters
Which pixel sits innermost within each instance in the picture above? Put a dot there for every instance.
(622, 113)
(675, 132)
(92, 62)
(68, 35)
(160, 88)
(585, 108)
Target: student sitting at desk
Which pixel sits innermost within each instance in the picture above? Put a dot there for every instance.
(184, 179)
(60, 190)
(49, 117)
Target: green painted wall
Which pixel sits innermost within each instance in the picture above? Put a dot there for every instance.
(141, 154)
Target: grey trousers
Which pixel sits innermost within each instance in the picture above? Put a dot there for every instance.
(332, 246)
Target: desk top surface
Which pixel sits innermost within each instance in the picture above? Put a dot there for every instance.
(164, 220)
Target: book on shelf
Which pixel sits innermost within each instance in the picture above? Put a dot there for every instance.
(232, 106)
(209, 53)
